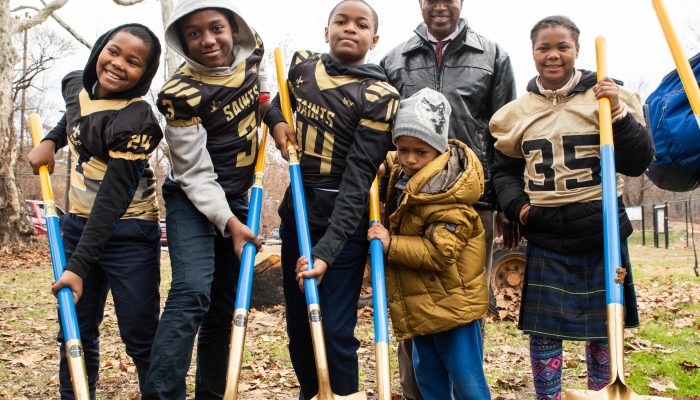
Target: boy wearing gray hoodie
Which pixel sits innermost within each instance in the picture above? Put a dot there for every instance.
(211, 104)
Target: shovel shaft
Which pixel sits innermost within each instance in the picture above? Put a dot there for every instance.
(245, 278)
(66, 308)
(611, 233)
(690, 83)
(302, 224)
(302, 221)
(235, 355)
(381, 325)
(611, 222)
(616, 388)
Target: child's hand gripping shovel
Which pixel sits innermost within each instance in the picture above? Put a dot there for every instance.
(690, 83)
(381, 325)
(614, 273)
(245, 279)
(302, 223)
(69, 320)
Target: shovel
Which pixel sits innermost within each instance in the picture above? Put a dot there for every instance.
(381, 325)
(614, 274)
(302, 223)
(690, 83)
(66, 308)
(245, 279)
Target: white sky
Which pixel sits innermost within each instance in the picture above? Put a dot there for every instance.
(637, 51)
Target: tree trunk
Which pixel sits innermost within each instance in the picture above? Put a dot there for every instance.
(171, 58)
(267, 283)
(15, 227)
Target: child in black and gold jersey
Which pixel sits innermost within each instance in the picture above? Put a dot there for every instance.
(111, 233)
(211, 104)
(344, 111)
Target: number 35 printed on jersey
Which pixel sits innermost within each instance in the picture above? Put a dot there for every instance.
(572, 163)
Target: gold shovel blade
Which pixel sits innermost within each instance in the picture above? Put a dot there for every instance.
(614, 391)
(324, 383)
(354, 396)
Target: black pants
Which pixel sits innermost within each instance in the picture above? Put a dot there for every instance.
(130, 267)
(201, 300)
(338, 295)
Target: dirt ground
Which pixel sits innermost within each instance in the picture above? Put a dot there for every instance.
(667, 291)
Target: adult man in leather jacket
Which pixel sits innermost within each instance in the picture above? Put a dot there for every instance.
(476, 77)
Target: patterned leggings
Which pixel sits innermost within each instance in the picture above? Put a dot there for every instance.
(546, 362)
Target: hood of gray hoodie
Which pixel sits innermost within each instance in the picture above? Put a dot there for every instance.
(242, 49)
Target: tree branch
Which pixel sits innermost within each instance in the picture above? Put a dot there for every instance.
(20, 8)
(41, 16)
(70, 30)
(127, 2)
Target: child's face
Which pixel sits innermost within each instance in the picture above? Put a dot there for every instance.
(350, 33)
(121, 64)
(554, 52)
(441, 16)
(414, 154)
(209, 37)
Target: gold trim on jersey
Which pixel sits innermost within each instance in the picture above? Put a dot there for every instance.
(182, 89)
(391, 109)
(175, 86)
(302, 55)
(124, 155)
(195, 101)
(376, 125)
(179, 123)
(89, 106)
(381, 88)
(326, 81)
(233, 80)
(378, 90)
(94, 169)
(326, 156)
(169, 84)
(76, 180)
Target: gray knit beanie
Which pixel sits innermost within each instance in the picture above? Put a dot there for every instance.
(425, 116)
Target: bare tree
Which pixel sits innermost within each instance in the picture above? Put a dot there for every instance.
(59, 21)
(171, 58)
(15, 227)
(46, 48)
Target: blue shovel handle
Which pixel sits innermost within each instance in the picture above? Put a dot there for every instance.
(66, 308)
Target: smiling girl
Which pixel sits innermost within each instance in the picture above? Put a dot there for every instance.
(111, 232)
(547, 177)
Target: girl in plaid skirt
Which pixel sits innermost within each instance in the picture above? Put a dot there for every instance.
(547, 176)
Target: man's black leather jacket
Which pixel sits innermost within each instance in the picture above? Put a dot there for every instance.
(476, 77)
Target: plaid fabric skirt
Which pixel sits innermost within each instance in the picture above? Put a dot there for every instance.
(564, 296)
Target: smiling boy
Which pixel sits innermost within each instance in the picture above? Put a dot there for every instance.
(211, 104)
(344, 111)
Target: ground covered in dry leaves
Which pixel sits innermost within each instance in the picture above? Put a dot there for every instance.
(669, 299)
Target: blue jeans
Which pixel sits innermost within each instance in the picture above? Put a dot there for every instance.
(451, 362)
(201, 299)
(338, 295)
(129, 266)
